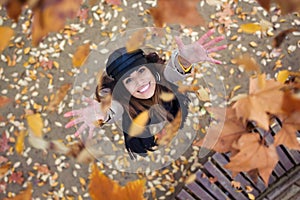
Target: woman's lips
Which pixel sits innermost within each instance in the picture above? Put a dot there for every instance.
(144, 88)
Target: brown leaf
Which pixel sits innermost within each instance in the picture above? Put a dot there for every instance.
(138, 124)
(253, 154)
(265, 4)
(24, 195)
(283, 76)
(4, 100)
(103, 188)
(260, 102)
(4, 169)
(281, 36)
(6, 34)
(80, 55)
(136, 40)
(288, 6)
(291, 101)
(247, 62)
(59, 96)
(14, 8)
(113, 2)
(50, 16)
(176, 12)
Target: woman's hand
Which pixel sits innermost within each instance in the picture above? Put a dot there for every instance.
(199, 50)
(89, 115)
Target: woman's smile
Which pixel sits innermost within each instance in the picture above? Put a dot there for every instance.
(144, 88)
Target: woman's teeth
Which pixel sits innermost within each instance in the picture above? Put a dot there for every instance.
(144, 88)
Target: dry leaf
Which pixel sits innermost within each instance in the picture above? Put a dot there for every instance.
(236, 184)
(103, 188)
(191, 178)
(80, 55)
(24, 195)
(136, 40)
(6, 34)
(35, 124)
(20, 142)
(281, 36)
(265, 4)
(253, 154)
(14, 8)
(59, 96)
(291, 101)
(113, 2)
(247, 62)
(176, 12)
(250, 28)
(138, 124)
(4, 100)
(288, 6)
(283, 76)
(167, 96)
(4, 169)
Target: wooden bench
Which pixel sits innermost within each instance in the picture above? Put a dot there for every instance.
(286, 172)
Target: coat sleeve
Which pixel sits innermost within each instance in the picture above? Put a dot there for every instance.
(115, 112)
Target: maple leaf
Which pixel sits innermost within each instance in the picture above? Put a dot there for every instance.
(260, 102)
(4, 146)
(80, 55)
(6, 34)
(232, 130)
(16, 177)
(24, 195)
(287, 134)
(177, 12)
(103, 188)
(253, 154)
(59, 96)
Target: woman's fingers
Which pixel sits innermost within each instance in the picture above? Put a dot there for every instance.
(218, 48)
(214, 41)
(206, 36)
(179, 42)
(80, 130)
(91, 132)
(215, 61)
(88, 100)
(72, 113)
(73, 122)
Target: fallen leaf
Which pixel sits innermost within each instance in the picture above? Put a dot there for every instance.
(265, 4)
(288, 6)
(176, 12)
(253, 154)
(136, 40)
(281, 36)
(189, 179)
(6, 34)
(250, 28)
(80, 55)
(16, 177)
(20, 142)
(251, 196)
(247, 62)
(224, 16)
(59, 96)
(103, 188)
(291, 101)
(35, 124)
(3, 159)
(113, 2)
(4, 146)
(14, 8)
(4, 101)
(138, 124)
(260, 102)
(24, 195)
(283, 76)
(236, 184)
(167, 96)
(4, 169)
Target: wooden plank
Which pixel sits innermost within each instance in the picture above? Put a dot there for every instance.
(184, 195)
(214, 171)
(286, 162)
(279, 171)
(198, 191)
(295, 155)
(213, 188)
(221, 160)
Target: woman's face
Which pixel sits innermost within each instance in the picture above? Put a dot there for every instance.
(140, 83)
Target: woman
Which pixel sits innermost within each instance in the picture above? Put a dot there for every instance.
(135, 82)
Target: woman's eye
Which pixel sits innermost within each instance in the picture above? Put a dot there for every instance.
(141, 70)
(127, 81)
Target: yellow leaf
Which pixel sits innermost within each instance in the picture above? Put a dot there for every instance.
(135, 41)
(20, 142)
(103, 188)
(138, 124)
(167, 96)
(35, 123)
(80, 55)
(247, 62)
(191, 178)
(60, 94)
(282, 76)
(4, 169)
(250, 27)
(251, 196)
(24, 195)
(6, 34)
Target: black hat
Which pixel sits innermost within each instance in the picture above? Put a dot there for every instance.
(121, 62)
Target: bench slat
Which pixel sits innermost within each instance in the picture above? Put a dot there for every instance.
(198, 191)
(184, 195)
(286, 162)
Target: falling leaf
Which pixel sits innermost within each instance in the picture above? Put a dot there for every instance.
(6, 34)
(188, 88)
(14, 8)
(265, 4)
(4, 146)
(250, 28)
(288, 6)
(59, 96)
(80, 55)
(253, 154)
(50, 16)
(113, 2)
(251, 196)
(247, 62)
(136, 40)
(281, 36)
(203, 94)
(177, 12)
(3, 159)
(138, 124)
(191, 178)
(16, 177)
(20, 142)
(4, 169)
(291, 101)
(287, 135)
(260, 102)
(103, 188)
(283, 76)
(167, 96)
(35, 124)
(24, 195)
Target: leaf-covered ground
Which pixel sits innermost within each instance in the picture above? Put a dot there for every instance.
(35, 86)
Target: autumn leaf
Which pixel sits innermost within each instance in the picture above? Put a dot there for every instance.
(6, 34)
(16, 177)
(260, 102)
(136, 40)
(253, 154)
(281, 36)
(291, 101)
(50, 16)
(265, 4)
(113, 2)
(35, 124)
(59, 96)
(14, 8)
(247, 62)
(4, 100)
(176, 12)
(283, 76)
(103, 188)
(232, 130)
(4, 169)
(20, 142)
(288, 6)
(287, 135)
(138, 124)
(250, 27)
(80, 55)
(167, 96)
(4, 146)
(24, 195)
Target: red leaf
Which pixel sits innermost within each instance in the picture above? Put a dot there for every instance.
(4, 146)
(113, 2)
(16, 177)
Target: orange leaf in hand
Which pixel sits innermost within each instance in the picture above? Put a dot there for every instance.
(261, 100)
(253, 154)
(177, 12)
